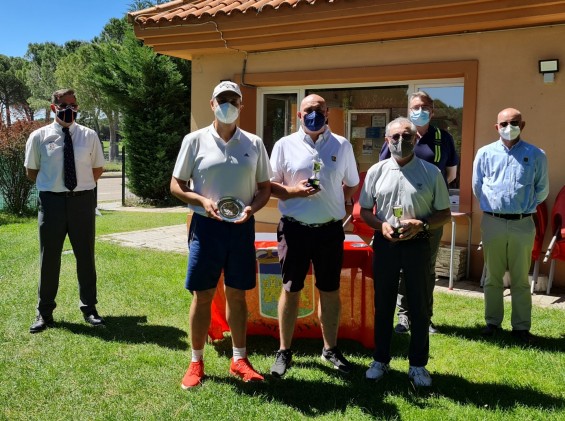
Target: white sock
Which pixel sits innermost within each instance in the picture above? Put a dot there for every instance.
(197, 355)
(239, 353)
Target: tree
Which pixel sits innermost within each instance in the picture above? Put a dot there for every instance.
(15, 188)
(152, 92)
(91, 96)
(40, 76)
(13, 90)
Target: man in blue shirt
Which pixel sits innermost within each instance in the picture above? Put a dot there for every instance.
(435, 146)
(509, 180)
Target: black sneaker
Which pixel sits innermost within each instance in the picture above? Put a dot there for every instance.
(403, 325)
(335, 357)
(525, 336)
(490, 330)
(41, 323)
(433, 329)
(283, 360)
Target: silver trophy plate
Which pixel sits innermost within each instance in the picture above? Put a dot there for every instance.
(230, 208)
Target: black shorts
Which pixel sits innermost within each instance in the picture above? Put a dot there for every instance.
(298, 245)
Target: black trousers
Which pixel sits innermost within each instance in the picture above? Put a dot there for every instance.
(58, 217)
(413, 257)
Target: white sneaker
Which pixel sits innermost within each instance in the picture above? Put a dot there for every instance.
(419, 376)
(377, 370)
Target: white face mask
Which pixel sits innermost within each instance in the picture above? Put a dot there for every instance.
(509, 132)
(226, 112)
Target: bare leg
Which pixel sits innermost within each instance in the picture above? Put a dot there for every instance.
(329, 309)
(200, 316)
(288, 312)
(236, 315)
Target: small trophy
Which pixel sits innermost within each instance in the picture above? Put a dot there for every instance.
(397, 212)
(230, 208)
(314, 181)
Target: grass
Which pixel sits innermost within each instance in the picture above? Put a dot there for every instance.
(132, 369)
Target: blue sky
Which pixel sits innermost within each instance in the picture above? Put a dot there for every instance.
(37, 21)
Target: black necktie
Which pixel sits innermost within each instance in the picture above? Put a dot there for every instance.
(69, 161)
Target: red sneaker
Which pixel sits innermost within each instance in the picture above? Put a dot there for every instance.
(242, 368)
(194, 375)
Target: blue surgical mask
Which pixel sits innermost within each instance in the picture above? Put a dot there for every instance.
(420, 117)
(314, 121)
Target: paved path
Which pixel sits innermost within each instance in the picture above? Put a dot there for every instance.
(173, 238)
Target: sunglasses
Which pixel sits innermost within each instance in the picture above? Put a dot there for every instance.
(73, 107)
(514, 123)
(405, 136)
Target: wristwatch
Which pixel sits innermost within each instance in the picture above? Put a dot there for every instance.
(425, 225)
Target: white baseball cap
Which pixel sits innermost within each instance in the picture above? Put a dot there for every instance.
(225, 86)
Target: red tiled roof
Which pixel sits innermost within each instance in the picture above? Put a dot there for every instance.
(179, 11)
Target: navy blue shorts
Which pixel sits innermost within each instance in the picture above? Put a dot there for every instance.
(215, 245)
(299, 245)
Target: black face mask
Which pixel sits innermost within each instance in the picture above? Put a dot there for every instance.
(67, 115)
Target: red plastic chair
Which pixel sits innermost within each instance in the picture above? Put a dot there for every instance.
(540, 220)
(556, 249)
(359, 226)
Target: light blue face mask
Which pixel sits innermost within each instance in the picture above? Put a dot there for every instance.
(420, 117)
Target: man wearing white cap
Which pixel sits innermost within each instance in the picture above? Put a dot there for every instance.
(228, 166)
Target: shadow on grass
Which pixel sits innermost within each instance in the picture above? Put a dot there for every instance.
(131, 330)
(318, 397)
(503, 338)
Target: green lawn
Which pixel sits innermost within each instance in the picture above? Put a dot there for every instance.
(132, 369)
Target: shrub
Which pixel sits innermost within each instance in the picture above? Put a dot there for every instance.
(15, 187)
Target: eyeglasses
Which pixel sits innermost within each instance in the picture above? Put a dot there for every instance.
(405, 136)
(62, 107)
(514, 123)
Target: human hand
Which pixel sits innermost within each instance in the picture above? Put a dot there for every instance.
(247, 213)
(389, 232)
(410, 228)
(211, 209)
(303, 189)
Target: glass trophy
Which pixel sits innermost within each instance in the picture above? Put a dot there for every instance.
(397, 212)
(314, 181)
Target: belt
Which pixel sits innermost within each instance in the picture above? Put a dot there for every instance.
(323, 224)
(69, 193)
(510, 216)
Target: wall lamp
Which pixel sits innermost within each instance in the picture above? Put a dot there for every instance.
(548, 68)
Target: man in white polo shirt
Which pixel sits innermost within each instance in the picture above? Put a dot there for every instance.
(415, 190)
(310, 229)
(65, 160)
(221, 161)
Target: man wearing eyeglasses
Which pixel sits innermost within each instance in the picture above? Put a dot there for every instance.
(402, 242)
(509, 180)
(65, 159)
(435, 146)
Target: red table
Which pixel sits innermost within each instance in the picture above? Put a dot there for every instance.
(357, 313)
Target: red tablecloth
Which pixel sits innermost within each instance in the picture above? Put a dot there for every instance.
(356, 293)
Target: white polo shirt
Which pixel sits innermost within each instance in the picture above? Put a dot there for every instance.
(217, 168)
(44, 152)
(418, 186)
(292, 161)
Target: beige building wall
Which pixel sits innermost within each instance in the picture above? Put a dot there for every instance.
(507, 77)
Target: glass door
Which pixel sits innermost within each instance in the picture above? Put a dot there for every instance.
(279, 117)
